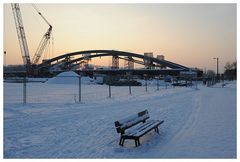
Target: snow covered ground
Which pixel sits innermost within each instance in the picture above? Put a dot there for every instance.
(198, 123)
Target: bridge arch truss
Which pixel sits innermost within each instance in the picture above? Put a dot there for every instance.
(75, 58)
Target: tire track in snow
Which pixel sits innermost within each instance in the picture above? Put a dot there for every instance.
(186, 128)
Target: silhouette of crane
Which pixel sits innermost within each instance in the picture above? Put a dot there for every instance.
(23, 41)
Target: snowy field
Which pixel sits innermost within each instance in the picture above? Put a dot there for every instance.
(198, 123)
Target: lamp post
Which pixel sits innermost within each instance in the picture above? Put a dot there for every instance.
(5, 57)
(216, 58)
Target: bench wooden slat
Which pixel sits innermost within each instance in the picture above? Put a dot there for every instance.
(134, 121)
(144, 128)
(130, 121)
(142, 132)
(132, 131)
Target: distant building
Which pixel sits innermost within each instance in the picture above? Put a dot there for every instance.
(161, 57)
(149, 54)
(148, 62)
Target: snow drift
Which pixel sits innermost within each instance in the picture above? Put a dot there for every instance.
(69, 77)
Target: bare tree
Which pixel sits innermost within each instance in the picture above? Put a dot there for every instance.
(230, 72)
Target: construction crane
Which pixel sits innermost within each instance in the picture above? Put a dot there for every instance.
(44, 41)
(23, 41)
(21, 36)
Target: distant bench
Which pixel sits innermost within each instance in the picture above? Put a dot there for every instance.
(135, 126)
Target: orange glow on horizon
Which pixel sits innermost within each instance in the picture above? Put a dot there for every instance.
(188, 34)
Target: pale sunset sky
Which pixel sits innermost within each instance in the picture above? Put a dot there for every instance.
(187, 34)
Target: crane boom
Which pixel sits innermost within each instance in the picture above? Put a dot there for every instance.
(44, 41)
(21, 35)
(42, 45)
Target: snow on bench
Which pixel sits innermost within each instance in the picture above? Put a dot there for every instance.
(135, 126)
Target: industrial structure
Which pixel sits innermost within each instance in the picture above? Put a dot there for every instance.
(80, 60)
(23, 41)
(128, 63)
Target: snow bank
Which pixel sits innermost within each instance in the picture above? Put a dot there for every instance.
(69, 77)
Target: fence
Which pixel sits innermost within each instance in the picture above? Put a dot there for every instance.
(77, 90)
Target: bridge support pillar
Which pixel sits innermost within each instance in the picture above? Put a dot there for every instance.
(128, 64)
(115, 62)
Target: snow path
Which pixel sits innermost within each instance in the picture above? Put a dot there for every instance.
(195, 125)
(212, 128)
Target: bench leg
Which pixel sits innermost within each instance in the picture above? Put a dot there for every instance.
(137, 142)
(121, 141)
(156, 130)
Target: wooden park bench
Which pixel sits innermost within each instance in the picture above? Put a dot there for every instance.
(135, 126)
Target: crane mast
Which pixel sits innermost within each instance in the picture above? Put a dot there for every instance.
(21, 36)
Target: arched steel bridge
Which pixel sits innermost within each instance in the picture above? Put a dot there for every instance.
(66, 59)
